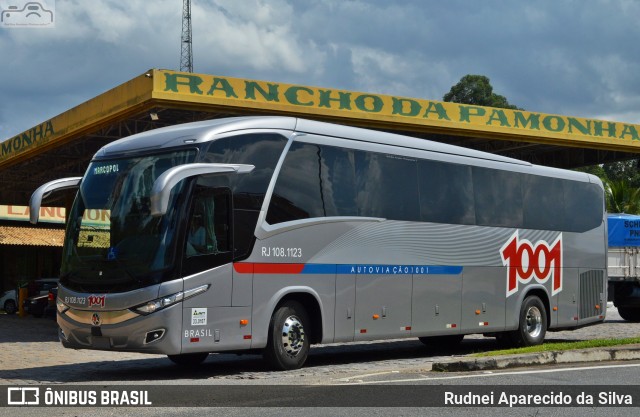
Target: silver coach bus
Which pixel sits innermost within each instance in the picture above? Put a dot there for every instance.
(275, 233)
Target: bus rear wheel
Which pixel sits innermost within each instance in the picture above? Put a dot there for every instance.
(532, 323)
(188, 359)
(288, 342)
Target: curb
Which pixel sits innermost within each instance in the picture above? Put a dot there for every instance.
(623, 353)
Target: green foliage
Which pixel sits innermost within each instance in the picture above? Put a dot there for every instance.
(623, 171)
(477, 90)
(621, 197)
(554, 347)
(621, 185)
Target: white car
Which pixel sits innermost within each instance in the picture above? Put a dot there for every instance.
(8, 301)
(40, 287)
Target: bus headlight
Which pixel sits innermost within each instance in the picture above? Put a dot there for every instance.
(61, 307)
(158, 304)
(167, 301)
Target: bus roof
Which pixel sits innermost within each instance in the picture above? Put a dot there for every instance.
(392, 139)
(208, 130)
(197, 132)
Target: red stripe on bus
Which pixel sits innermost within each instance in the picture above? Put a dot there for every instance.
(243, 268)
(247, 268)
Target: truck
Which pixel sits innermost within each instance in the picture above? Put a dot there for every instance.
(624, 264)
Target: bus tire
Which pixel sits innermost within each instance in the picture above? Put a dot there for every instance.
(438, 342)
(288, 342)
(532, 323)
(630, 313)
(188, 359)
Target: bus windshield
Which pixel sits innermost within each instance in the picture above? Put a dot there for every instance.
(112, 241)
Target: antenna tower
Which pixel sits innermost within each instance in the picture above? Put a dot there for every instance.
(186, 52)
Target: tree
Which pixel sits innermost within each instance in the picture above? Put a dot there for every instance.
(621, 197)
(477, 90)
(621, 185)
(623, 171)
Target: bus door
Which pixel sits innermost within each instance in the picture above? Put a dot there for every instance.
(207, 260)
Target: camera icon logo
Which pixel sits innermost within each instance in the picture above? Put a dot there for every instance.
(16, 13)
(23, 396)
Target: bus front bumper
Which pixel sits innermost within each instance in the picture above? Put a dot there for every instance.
(122, 330)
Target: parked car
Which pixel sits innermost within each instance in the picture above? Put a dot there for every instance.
(41, 286)
(51, 309)
(35, 305)
(8, 301)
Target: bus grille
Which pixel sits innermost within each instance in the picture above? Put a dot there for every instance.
(591, 289)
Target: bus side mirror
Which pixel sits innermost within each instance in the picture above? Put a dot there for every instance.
(162, 187)
(45, 190)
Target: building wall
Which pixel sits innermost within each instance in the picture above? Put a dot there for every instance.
(24, 263)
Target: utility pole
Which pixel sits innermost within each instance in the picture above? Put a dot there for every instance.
(186, 52)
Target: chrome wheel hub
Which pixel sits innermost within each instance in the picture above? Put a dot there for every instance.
(292, 336)
(534, 322)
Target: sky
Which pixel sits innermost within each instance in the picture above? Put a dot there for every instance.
(570, 57)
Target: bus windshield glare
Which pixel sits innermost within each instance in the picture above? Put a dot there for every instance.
(112, 241)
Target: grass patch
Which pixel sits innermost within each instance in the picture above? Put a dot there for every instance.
(550, 347)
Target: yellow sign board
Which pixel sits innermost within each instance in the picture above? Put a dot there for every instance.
(164, 88)
(21, 213)
(401, 112)
(93, 217)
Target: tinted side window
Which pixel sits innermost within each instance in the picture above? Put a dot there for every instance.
(543, 203)
(446, 193)
(260, 150)
(498, 197)
(387, 186)
(315, 181)
(208, 241)
(584, 206)
(324, 181)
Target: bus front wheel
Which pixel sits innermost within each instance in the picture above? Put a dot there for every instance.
(533, 323)
(288, 342)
